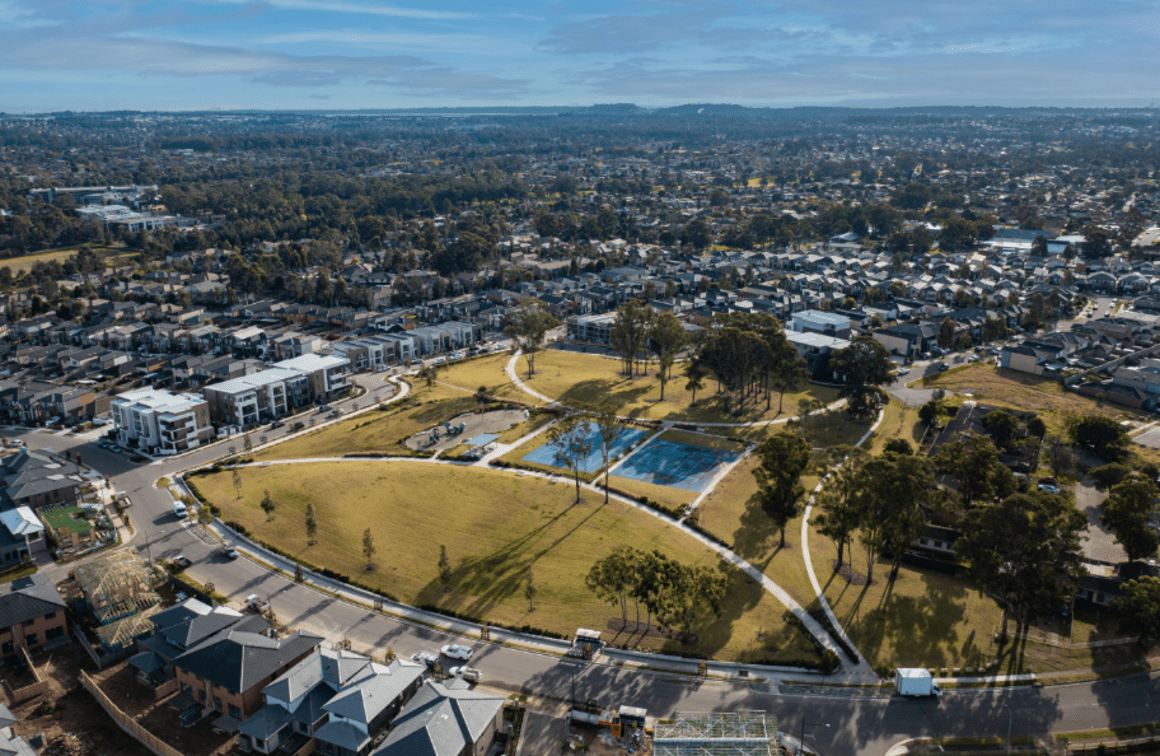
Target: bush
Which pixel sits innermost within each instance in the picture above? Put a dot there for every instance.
(1108, 475)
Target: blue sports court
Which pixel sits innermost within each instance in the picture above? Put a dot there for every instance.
(546, 454)
(667, 463)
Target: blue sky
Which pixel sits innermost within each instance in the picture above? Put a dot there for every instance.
(350, 54)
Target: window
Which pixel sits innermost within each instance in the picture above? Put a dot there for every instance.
(187, 690)
(235, 712)
(31, 639)
(201, 696)
(54, 633)
(50, 615)
(7, 647)
(217, 703)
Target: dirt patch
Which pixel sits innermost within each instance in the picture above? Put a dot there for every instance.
(849, 574)
(438, 438)
(120, 684)
(71, 720)
(599, 741)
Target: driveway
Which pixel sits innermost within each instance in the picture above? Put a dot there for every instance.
(1100, 544)
(543, 733)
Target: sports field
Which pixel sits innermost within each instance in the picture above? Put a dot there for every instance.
(546, 453)
(496, 528)
(667, 463)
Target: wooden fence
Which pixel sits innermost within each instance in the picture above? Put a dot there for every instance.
(19, 695)
(127, 723)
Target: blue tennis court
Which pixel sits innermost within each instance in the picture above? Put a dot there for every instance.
(546, 454)
(667, 463)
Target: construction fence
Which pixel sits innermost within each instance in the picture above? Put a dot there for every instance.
(127, 723)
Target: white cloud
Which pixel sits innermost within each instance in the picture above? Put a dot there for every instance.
(381, 9)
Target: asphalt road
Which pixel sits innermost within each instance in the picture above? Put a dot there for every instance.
(857, 725)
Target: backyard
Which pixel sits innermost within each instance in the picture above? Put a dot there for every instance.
(497, 528)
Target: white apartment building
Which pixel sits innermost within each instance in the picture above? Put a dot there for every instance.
(160, 421)
(278, 391)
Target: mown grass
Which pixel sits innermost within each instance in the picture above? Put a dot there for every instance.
(24, 263)
(592, 379)
(488, 371)
(673, 498)
(733, 515)
(899, 421)
(497, 528)
(922, 619)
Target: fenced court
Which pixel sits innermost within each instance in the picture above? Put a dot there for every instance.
(546, 454)
(667, 463)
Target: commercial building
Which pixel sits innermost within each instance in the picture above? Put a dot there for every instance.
(161, 421)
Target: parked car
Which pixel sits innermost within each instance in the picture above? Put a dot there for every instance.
(1049, 488)
(942, 366)
(467, 673)
(425, 657)
(456, 652)
(182, 561)
(231, 552)
(276, 424)
(904, 371)
(323, 407)
(299, 425)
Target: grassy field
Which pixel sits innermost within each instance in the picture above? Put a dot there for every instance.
(379, 431)
(900, 421)
(24, 264)
(1009, 388)
(488, 371)
(674, 498)
(732, 515)
(592, 379)
(497, 527)
(835, 428)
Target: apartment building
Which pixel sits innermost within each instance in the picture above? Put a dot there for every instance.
(278, 391)
(161, 421)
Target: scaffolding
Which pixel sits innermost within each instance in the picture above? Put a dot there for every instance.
(729, 733)
(117, 585)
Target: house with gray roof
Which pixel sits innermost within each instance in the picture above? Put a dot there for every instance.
(444, 720)
(31, 614)
(340, 698)
(227, 672)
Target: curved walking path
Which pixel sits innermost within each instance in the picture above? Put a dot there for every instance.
(859, 673)
(821, 596)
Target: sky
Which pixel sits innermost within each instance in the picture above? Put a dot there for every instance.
(96, 55)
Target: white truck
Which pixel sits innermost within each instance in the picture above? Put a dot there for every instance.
(180, 510)
(914, 683)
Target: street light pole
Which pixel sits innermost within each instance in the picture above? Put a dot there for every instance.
(1010, 717)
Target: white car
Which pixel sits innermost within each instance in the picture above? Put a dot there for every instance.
(904, 371)
(425, 657)
(467, 673)
(456, 652)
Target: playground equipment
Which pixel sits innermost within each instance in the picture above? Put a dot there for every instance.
(453, 430)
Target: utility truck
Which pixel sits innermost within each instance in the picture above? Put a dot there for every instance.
(915, 683)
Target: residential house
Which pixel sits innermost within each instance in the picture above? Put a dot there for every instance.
(32, 613)
(443, 720)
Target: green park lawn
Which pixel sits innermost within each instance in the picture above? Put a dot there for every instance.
(593, 379)
(922, 619)
(469, 375)
(497, 527)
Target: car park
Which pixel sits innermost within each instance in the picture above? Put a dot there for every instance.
(456, 651)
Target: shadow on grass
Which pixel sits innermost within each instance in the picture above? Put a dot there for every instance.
(916, 630)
